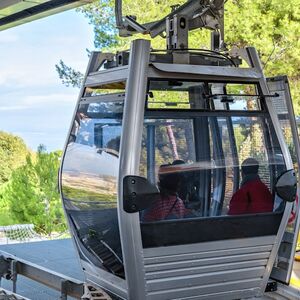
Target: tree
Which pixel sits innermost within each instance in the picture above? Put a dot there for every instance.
(13, 153)
(32, 193)
(272, 26)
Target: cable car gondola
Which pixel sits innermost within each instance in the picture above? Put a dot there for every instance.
(177, 125)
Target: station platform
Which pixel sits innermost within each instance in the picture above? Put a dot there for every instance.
(56, 255)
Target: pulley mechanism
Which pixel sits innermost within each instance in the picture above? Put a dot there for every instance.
(193, 14)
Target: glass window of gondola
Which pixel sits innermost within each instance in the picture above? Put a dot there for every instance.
(90, 176)
(197, 135)
(197, 138)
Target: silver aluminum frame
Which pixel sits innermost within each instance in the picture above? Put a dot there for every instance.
(130, 149)
(206, 72)
(286, 277)
(297, 149)
(255, 61)
(107, 76)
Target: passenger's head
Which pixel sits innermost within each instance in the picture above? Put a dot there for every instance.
(250, 166)
(169, 177)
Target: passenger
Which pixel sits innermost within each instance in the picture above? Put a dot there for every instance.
(253, 196)
(169, 205)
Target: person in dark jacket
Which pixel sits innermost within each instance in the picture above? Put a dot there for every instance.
(169, 205)
(253, 196)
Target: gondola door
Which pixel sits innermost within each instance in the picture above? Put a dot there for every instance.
(179, 168)
(284, 108)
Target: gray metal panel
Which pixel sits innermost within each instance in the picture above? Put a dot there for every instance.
(107, 76)
(211, 289)
(239, 294)
(206, 270)
(219, 266)
(215, 259)
(215, 72)
(209, 246)
(219, 277)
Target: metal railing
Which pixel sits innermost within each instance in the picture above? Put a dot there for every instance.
(11, 267)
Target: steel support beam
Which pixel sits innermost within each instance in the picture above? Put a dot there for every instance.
(12, 266)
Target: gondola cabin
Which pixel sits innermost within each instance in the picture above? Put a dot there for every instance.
(151, 165)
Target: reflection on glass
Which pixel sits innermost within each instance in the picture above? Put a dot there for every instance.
(89, 182)
(202, 158)
(90, 167)
(180, 94)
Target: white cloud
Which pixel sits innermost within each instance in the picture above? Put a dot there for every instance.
(8, 37)
(25, 76)
(38, 133)
(33, 102)
(15, 101)
(12, 107)
(49, 99)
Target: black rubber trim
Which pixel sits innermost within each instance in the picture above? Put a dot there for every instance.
(189, 231)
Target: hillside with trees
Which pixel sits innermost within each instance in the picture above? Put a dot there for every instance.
(28, 187)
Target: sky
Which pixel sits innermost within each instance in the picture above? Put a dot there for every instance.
(34, 104)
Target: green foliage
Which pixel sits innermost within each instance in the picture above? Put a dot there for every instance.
(272, 26)
(6, 217)
(13, 153)
(101, 15)
(32, 194)
(69, 76)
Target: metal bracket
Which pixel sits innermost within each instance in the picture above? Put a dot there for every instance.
(4, 268)
(92, 293)
(207, 14)
(177, 38)
(7, 295)
(271, 286)
(14, 274)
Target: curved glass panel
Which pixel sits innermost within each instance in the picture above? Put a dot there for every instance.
(89, 182)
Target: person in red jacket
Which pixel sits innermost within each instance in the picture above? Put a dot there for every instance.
(253, 196)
